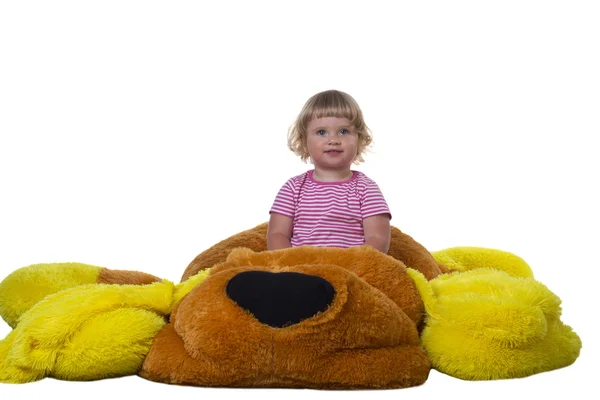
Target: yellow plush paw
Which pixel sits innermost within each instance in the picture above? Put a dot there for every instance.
(487, 324)
(114, 343)
(26, 286)
(467, 258)
(11, 372)
(86, 332)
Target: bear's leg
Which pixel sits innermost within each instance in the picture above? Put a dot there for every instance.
(26, 286)
(468, 258)
(86, 332)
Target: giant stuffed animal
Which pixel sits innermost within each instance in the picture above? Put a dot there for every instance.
(307, 317)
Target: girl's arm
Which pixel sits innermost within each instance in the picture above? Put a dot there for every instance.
(279, 232)
(377, 232)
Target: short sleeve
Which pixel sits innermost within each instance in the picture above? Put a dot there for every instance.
(284, 201)
(372, 201)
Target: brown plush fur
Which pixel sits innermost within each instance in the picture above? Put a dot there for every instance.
(122, 277)
(402, 247)
(414, 255)
(254, 239)
(363, 340)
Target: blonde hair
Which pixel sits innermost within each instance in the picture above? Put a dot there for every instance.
(330, 103)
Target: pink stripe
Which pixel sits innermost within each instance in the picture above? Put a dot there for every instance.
(374, 207)
(330, 214)
(329, 231)
(310, 226)
(284, 203)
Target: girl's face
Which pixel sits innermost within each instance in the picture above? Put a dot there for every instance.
(332, 142)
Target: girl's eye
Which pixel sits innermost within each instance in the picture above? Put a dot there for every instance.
(321, 132)
(344, 131)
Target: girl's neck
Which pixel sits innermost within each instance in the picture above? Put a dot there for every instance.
(324, 175)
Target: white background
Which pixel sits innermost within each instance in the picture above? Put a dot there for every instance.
(134, 135)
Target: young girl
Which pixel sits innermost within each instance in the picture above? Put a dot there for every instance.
(330, 205)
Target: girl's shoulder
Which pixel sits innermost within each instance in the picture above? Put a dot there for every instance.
(300, 178)
(362, 178)
(297, 181)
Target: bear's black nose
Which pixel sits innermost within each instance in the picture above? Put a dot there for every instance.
(280, 299)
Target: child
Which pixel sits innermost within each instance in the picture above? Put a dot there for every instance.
(330, 205)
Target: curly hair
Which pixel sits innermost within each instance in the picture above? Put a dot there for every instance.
(330, 103)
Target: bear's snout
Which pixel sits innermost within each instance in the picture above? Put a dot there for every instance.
(280, 299)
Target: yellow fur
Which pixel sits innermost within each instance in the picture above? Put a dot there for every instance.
(86, 332)
(111, 344)
(424, 288)
(488, 320)
(466, 258)
(9, 371)
(487, 324)
(26, 286)
(183, 288)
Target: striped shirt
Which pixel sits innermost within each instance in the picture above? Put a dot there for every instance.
(329, 213)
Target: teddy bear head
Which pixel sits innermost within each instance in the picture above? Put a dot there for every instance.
(305, 317)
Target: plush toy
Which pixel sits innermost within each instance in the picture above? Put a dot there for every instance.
(300, 317)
